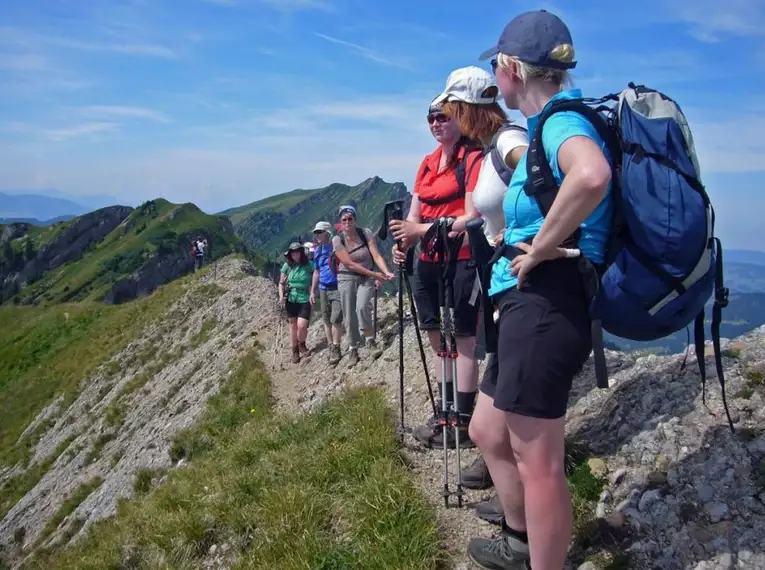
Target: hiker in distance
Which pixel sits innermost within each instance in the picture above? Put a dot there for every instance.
(465, 102)
(329, 298)
(294, 296)
(356, 255)
(443, 187)
(544, 324)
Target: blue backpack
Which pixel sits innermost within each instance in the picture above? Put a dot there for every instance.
(663, 261)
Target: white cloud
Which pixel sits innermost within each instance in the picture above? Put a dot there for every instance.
(79, 131)
(710, 19)
(121, 111)
(732, 145)
(139, 49)
(23, 62)
(368, 53)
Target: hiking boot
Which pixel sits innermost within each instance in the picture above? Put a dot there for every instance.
(477, 476)
(303, 349)
(490, 511)
(353, 357)
(503, 552)
(431, 434)
(374, 350)
(334, 354)
(295, 354)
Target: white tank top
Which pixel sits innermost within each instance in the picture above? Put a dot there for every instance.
(489, 190)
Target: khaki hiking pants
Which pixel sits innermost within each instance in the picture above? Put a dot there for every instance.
(357, 293)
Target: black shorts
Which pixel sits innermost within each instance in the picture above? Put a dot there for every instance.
(466, 301)
(544, 340)
(298, 310)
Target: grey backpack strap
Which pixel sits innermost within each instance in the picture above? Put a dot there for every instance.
(497, 160)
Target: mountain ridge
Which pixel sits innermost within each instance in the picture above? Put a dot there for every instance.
(112, 254)
(268, 225)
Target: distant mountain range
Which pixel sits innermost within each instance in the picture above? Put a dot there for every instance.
(85, 202)
(38, 207)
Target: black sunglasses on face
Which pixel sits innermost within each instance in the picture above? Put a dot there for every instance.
(439, 117)
(494, 66)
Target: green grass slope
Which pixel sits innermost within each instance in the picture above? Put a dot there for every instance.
(45, 352)
(154, 232)
(325, 490)
(267, 226)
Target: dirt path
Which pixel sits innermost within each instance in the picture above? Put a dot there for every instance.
(298, 388)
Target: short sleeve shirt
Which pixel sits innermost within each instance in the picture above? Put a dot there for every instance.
(299, 279)
(523, 219)
(432, 184)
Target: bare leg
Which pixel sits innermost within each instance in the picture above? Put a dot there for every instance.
(538, 445)
(489, 432)
(302, 329)
(467, 367)
(337, 334)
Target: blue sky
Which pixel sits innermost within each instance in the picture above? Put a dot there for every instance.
(222, 102)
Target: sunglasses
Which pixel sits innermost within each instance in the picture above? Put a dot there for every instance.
(494, 66)
(437, 117)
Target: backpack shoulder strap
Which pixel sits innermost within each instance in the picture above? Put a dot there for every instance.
(541, 184)
(497, 160)
(460, 172)
(362, 236)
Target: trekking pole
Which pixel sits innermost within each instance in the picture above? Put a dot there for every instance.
(402, 428)
(374, 319)
(413, 308)
(448, 280)
(442, 354)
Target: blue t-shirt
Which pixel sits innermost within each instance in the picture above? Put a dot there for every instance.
(327, 279)
(523, 219)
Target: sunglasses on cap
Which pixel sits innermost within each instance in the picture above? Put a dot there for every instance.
(437, 117)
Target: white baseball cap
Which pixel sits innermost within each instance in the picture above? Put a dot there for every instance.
(322, 227)
(308, 246)
(468, 84)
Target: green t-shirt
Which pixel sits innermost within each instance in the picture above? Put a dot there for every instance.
(299, 280)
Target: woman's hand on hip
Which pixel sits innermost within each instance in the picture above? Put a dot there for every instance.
(522, 264)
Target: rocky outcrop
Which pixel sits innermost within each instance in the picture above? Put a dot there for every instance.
(79, 236)
(156, 272)
(13, 231)
(69, 245)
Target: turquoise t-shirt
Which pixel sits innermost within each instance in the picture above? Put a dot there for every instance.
(523, 219)
(299, 279)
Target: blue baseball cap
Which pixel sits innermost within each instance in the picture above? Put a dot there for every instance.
(531, 37)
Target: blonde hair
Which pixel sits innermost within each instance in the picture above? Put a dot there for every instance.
(559, 77)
